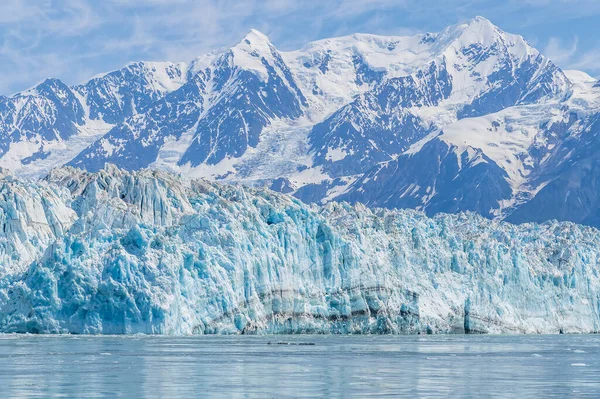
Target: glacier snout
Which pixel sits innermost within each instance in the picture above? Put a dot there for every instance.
(126, 252)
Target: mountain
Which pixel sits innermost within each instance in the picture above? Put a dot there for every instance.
(467, 119)
(222, 111)
(475, 69)
(529, 162)
(116, 252)
(117, 95)
(48, 125)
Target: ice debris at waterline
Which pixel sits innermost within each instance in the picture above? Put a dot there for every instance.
(116, 252)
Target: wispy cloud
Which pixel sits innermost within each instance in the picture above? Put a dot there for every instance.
(560, 52)
(73, 39)
(588, 61)
(568, 56)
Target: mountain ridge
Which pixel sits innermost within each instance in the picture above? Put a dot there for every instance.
(341, 118)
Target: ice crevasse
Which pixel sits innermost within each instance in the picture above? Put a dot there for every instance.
(118, 252)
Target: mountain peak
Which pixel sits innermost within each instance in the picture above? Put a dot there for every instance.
(481, 32)
(44, 86)
(254, 38)
(258, 34)
(250, 52)
(479, 20)
(252, 44)
(578, 76)
(479, 29)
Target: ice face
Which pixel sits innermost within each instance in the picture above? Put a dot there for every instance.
(32, 216)
(150, 252)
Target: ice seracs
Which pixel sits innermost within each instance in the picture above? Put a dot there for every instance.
(32, 217)
(150, 252)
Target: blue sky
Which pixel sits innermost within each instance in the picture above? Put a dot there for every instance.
(75, 39)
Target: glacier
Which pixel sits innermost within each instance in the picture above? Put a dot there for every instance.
(123, 252)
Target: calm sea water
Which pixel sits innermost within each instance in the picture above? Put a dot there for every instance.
(300, 366)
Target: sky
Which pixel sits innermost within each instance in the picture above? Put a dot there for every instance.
(75, 39)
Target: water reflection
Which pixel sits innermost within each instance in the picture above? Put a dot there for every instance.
(336, 366)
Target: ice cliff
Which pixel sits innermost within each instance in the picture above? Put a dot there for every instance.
(118, 252)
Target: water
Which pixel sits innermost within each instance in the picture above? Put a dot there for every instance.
(335, 366)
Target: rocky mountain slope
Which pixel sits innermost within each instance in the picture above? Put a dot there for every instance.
(468, 119)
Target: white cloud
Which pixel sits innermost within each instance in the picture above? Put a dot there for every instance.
(568, 56)
(588, 61)
(560, 53)
(72, 39)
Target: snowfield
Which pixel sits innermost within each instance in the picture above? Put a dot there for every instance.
(117, 252)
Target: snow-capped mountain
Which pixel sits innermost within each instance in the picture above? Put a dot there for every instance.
(530, 162)
(469, 118)
(46, 126)
(219, 113)
(118, 252)
(475, 70)
(118, 95)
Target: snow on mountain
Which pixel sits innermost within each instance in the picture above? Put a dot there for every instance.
(568, 179)
(397, 90)
(47, 112)
(252, 86)
(492, 69)
(48, 125)
(218, 114)
(126, 252)
(132, 90)
(476, 70)
(332, 72)
(244, 103)
(135, 143)
(314, 81)
(336, 70)
(569, 176)
(513, 164)
(380, 123)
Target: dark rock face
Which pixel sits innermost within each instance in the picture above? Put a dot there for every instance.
(235, 122)
(573, 175)
(379, 124)
(433, 180)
